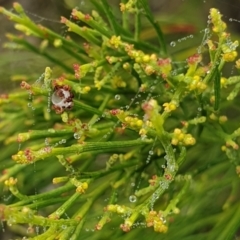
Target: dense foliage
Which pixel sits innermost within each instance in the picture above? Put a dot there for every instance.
(119, 134)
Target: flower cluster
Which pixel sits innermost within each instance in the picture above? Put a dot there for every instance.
(218, 25)
(155, 220)
(179, 137)
(196, 83)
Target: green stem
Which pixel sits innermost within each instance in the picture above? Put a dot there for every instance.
(173, 203)
(84, 32)
(231, 227)
(92, 23)
(86, 107)
(149, 16)
(27, 216)
(125, 18)
(48, 195)
(101, 109)
(78, 148)
(36, 134)
(11, 172)
(214, 64)
(45, 203)
(104, 172)
(63, 208)
(80, 215)
(137, 25)
(106, 215)
(111, 18)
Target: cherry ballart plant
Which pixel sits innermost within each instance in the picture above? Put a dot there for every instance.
(119, 141)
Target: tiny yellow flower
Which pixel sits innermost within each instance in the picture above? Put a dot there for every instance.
(139, 123)
(115, 41)
(189, 140)
(122, 7)
(177, 131)
(169, 107)
(222, 119)
(86, 89)
(237, 64)
(142, 131)
(149, 70)
(146, 58)
(82, 188)
(230, 56)
(174, 141)
(57, 43)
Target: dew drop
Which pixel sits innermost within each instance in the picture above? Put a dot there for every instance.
(172, 44)
(163, 220)
(163, 184)
(46, 141)
(150, 152)
(76, 135)
(206, 30)
(143, 137)
(230, 19)
(64, 226)
(117, 97)
(2, 226)
(51, 130)
(132, 198)
(37, 230)
(152, 88)
(29, 105)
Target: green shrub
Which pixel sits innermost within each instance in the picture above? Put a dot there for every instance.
(118, 134)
